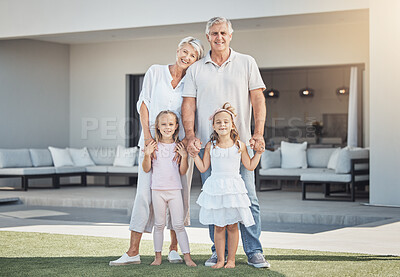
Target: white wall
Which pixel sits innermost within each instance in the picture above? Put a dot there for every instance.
(20, 18)
(384, 102)
(34, 94)
(98, 71)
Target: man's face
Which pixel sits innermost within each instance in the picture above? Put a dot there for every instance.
(219, 37)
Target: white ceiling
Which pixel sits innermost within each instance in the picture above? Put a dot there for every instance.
(343, 17)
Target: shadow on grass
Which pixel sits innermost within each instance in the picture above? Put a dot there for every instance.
(331, 257)
(98, 266)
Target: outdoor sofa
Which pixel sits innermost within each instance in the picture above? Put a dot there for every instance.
(346, 166)
(55, 163)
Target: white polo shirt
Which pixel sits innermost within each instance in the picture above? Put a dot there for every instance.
(159, 95)
(213, 85)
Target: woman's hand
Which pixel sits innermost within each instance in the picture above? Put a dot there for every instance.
(149, 148)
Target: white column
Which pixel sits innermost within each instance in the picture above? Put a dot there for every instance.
(385, 102)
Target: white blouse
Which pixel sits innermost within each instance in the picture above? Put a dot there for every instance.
(159, 95)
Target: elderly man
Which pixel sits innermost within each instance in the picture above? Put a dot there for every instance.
(227, 76)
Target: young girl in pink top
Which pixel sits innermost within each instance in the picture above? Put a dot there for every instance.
(166, 182)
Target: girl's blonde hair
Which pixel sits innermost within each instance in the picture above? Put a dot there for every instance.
(214, 138)
(157, 132)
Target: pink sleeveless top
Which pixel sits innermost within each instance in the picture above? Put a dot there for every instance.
(166, 174)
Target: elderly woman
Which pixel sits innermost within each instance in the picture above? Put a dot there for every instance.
(162, 90)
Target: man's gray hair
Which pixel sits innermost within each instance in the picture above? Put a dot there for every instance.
(217, 20)
(196, 43)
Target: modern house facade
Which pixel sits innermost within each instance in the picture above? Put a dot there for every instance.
(64, 63)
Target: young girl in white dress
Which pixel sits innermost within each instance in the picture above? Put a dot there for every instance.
(223, 200)
(166, 183)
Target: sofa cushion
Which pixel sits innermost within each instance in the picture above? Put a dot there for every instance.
(80, 157)
(319, 157)
(343, 165)
(122, 169)
(70, 169)
(102, 155)
(97, 169)
(333, 159)
(291, 172)
(326, 177)
(294, 155)
(15, 158)
(41, 157)
(125, 156)
(60, 157)
(27, 171)
(271, 159)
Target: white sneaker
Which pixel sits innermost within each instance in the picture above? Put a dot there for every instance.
(173, 257)
(125, 260)
(212, 260)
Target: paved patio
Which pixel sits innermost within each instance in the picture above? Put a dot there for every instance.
(288, 222)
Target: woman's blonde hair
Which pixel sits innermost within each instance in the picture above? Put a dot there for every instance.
(157, 132)
(214, 138)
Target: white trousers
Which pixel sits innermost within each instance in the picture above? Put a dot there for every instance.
(142, 219)
(173, 200)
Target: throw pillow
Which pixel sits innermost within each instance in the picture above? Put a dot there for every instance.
(271, 159)
(103, 155)
(125, 156)
(15, 158)
(41, 157)
(294, 155)
(80, 157)
(333, 159)
(343, 164)
(60, 157)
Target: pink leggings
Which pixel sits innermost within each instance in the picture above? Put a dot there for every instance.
(172, 198)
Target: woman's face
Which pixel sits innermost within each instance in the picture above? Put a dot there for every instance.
(186, 56)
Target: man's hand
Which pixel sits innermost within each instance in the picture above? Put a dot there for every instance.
(193, 145)
(257, 143)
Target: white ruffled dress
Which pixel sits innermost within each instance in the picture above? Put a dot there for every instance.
(224, 199)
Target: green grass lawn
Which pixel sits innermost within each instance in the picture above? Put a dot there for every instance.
(37, 254)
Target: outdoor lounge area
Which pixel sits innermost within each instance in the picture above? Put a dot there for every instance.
(346, 167)
(56, 163)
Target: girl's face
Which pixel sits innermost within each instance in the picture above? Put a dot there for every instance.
(222, 123)
(167, 126)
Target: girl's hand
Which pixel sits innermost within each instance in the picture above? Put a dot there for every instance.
(147, 142)
(181, 150)
(149, 148)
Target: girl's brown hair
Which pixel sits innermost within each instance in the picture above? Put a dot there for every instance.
(214, 138)
(157, 132)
